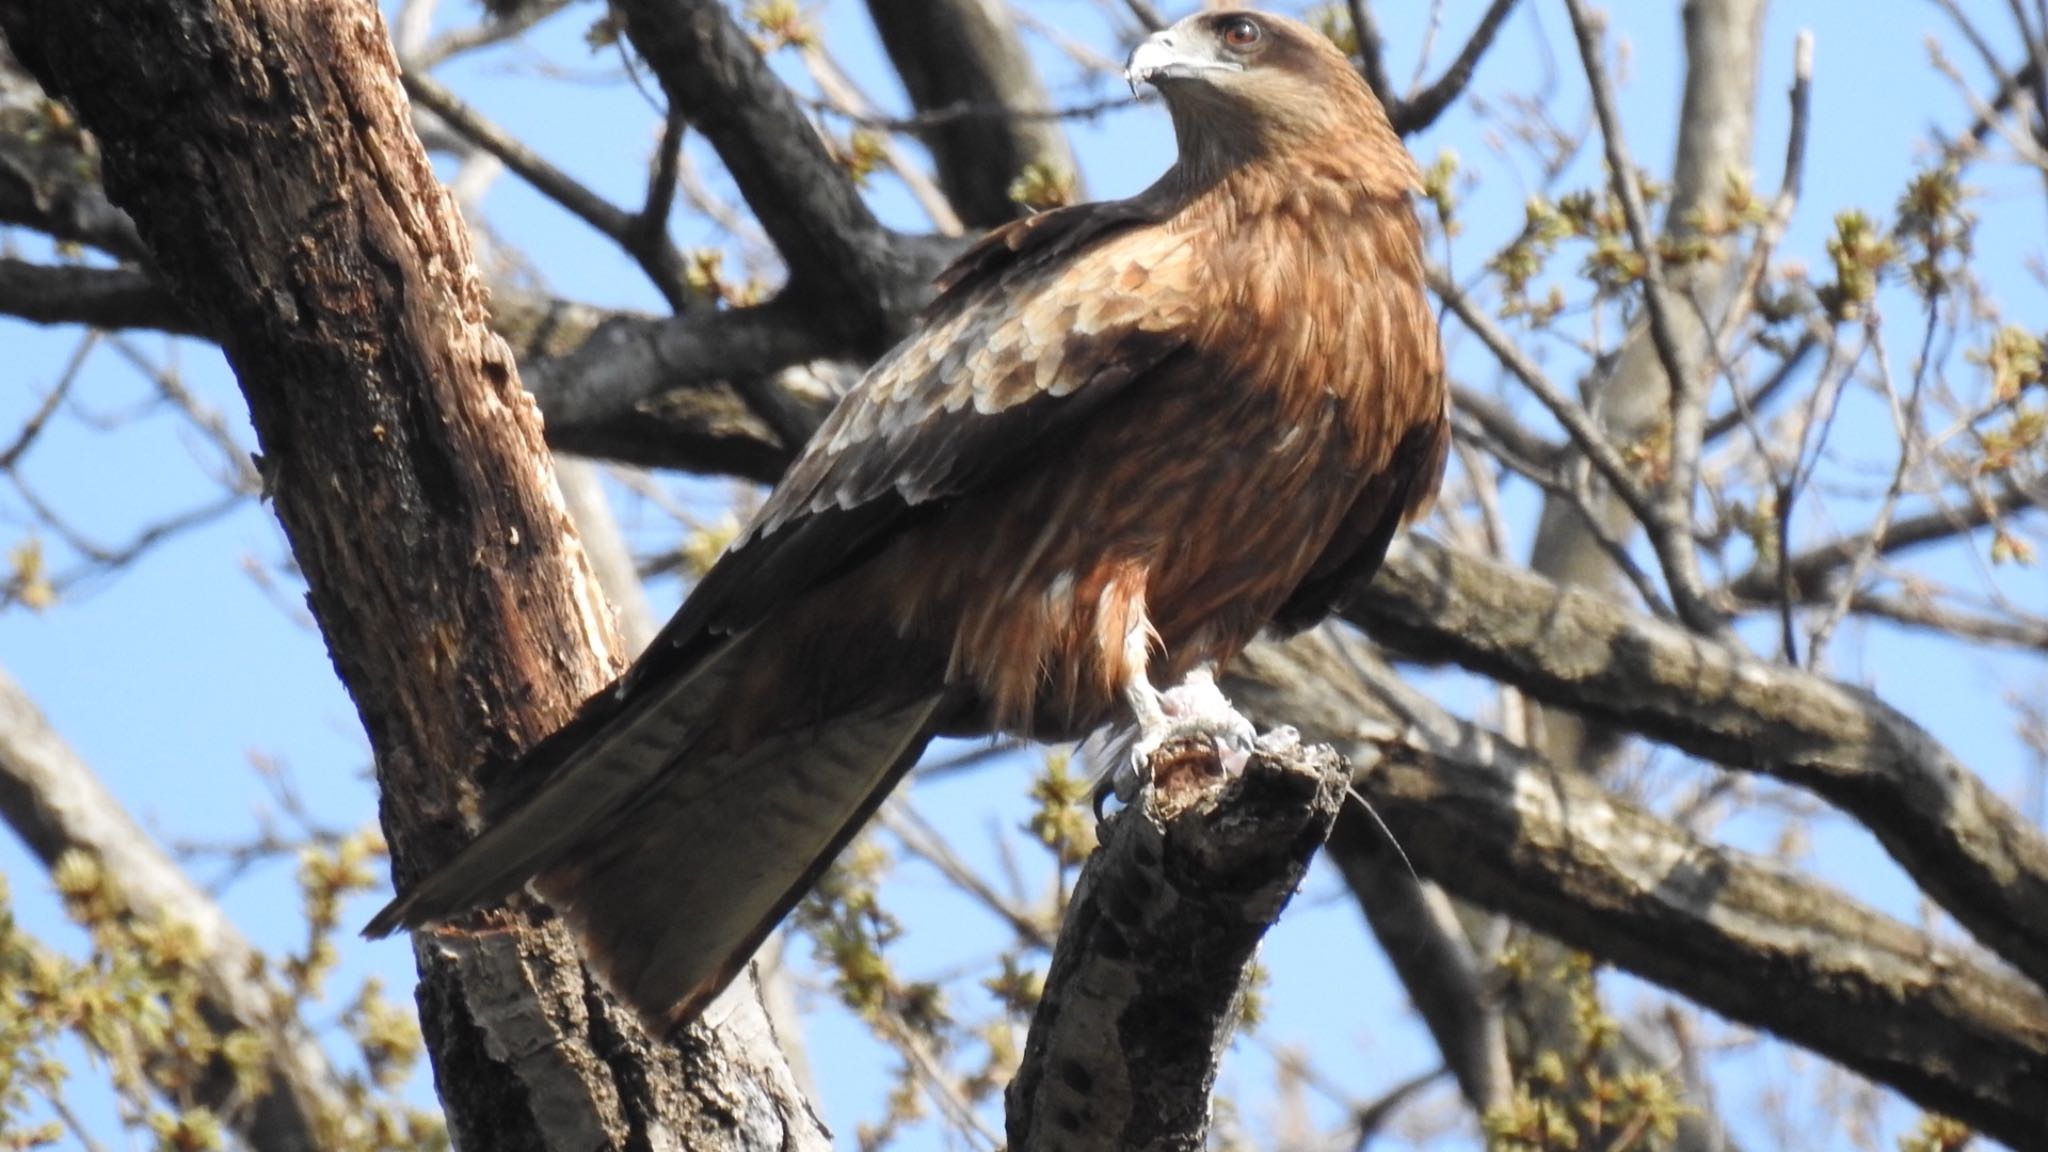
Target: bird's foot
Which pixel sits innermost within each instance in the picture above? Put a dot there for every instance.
(1194, 734)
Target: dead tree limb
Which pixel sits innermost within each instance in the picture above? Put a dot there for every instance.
(1150, 968)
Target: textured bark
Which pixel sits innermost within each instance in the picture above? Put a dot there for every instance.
(56, 804)
(1150, 968)
(1738, 934)
(966, 70)
(263, 149)
(1969, 850)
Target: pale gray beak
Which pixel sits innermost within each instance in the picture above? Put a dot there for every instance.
(1166, 56)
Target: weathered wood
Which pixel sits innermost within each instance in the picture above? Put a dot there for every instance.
(1150, 970)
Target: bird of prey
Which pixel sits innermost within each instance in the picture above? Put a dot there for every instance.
(1123, 439)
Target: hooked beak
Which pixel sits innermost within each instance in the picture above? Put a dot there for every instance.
(1167, 56)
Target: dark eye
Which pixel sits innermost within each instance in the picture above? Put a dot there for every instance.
(1242, 32)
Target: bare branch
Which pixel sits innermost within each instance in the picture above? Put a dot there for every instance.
(1731, 931)
(1810, 570)
(630, 364)
(1670, 528)
(1151, 964)
(649, 247)
(95, 297)
(967, 54)
(1420, 110)
(1967, 848)
(838, 254)
(1419, 930)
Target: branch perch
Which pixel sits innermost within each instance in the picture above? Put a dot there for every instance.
(1150, 970)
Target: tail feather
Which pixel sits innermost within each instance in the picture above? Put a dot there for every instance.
(628, 754)
(688, 884)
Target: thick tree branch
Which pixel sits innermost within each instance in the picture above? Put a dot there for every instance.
(1967, 848)
(96, 297)
(633, 365)
(838, 254)
(56, 804)
(299, 218)
(49, 182)
(1149, 972)
(956, 54)
(1733, 932)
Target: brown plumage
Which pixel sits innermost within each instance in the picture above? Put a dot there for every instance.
(1125, 437)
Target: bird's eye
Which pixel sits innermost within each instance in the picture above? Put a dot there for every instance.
(1242, 33)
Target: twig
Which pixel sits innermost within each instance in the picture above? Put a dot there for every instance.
(37, 420)
(483, 34)
(1578, 423)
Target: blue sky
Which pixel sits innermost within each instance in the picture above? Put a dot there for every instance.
(169, 677)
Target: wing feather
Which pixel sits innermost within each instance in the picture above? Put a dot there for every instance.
(1037, 326)
(1399, 494)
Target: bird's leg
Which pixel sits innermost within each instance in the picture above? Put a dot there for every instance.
(1193, 712)
(1197, 711)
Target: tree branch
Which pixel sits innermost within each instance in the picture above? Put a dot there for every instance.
(1970, 851)
(96, 297)
(967, 54)
(650, 247)
(1733, 932)
(56, 804)
(837, 252)
(1150, 969)
(1422, 109)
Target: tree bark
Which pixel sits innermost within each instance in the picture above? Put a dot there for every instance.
(1498, 826)
(264, 151)
(1150, 970)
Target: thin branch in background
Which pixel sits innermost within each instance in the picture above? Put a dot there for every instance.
(928, 844)
(652, 219)
(1504, 427)
(1423, 108)
(845, 96)
(40, 418)
(237, 469)
(1750, 403)
(1430, 28)
(1372, 1118)
(484, 34)
(963, 110)
(1372, 56)
(1578, 423)
(646, 241)
(1146, 15)
(1906, 423)
(1669, 526)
